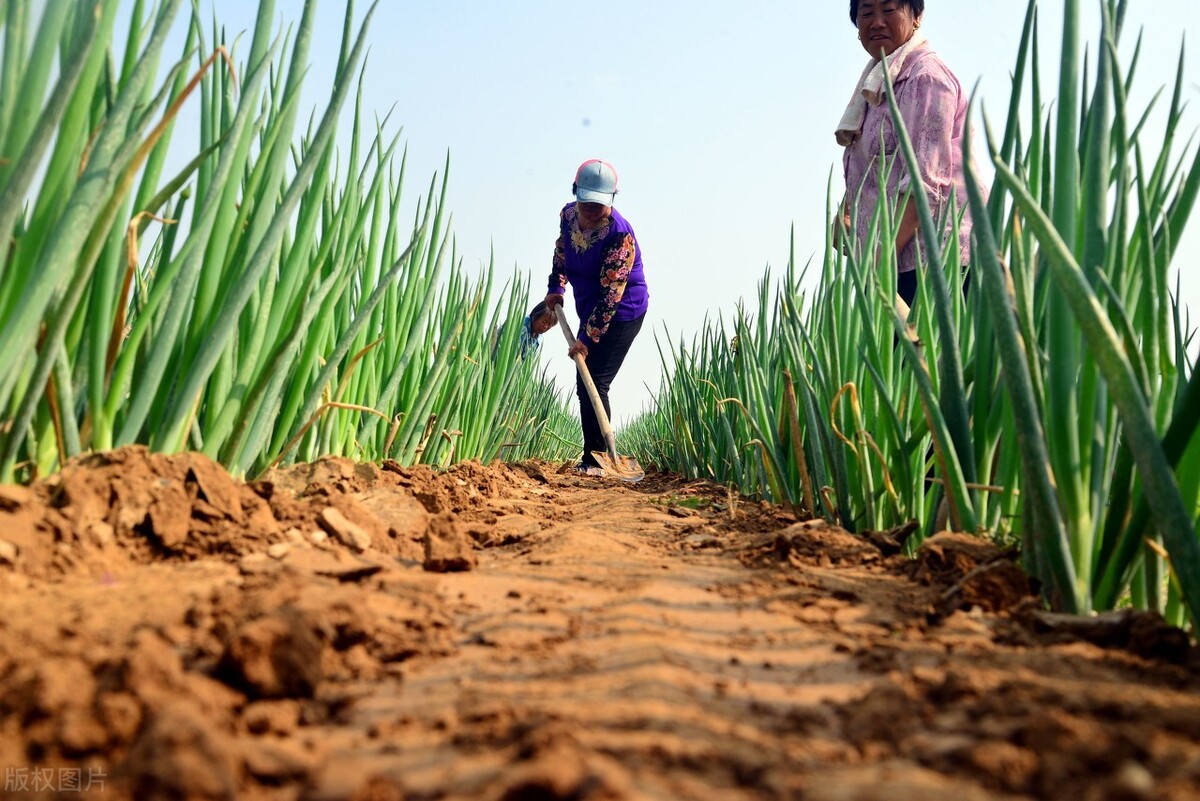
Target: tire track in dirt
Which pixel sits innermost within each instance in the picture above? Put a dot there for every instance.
(598, 636)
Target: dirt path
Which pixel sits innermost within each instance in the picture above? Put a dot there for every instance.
(168, 633)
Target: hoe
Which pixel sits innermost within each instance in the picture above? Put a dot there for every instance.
(625, 468)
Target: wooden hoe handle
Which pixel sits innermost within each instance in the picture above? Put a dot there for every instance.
(605, 427)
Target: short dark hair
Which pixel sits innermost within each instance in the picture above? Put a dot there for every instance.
(917, 7)
(539, 310)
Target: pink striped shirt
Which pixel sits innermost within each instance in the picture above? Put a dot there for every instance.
(934, 108)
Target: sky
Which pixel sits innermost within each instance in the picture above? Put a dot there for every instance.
(718, 116)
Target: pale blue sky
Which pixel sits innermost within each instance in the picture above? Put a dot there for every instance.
(717, 115)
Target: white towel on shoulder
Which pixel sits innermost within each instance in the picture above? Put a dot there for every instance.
(870, 89)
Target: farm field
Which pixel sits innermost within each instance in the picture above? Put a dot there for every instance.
(287, 506)
(343, 630)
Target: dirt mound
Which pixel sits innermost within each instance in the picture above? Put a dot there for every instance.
(181, 707)
(158, 612)
(970, 573)
(1143, 633)
(106, 512)
(111, 509)
(816, 543)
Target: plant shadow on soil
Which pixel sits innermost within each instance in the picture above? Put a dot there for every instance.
(342, 630)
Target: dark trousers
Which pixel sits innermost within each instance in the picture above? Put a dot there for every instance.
(906, 285)
(603, 361)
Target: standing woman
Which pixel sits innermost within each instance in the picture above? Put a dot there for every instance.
(934, 109)
(598, 254)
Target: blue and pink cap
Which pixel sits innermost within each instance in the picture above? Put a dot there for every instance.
(595, 182)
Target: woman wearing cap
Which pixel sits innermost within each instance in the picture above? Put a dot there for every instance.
(934, 109)
(598, 254)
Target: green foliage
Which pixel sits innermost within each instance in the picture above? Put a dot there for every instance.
(1056, 406)
(296, 313)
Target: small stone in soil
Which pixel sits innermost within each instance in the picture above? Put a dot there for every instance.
(447, 548)
(277, 656)
(349, 534)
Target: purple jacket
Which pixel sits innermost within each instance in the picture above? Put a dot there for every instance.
(603, 267)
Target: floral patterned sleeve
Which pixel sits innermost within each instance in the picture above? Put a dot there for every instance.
(558, 269)
(615, 266)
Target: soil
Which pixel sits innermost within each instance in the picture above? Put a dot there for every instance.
(350, 631)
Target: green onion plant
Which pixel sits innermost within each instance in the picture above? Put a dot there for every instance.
(270, 300)
(1053, 407)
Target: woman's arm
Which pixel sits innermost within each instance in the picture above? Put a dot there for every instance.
(841, 227)
(557, 285)
(908, 225)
